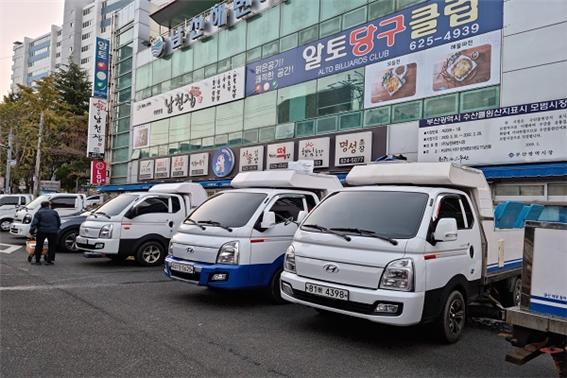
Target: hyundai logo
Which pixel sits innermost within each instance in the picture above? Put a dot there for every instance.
(189, 250)
(331, 268)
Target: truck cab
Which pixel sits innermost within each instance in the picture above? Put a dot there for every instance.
(407, 243)
(139, 224)
(237, 238)
(9, 203)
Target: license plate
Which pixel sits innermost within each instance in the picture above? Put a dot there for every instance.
(183, 268)
(326, 291)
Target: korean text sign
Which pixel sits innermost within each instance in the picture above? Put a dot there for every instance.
(98, 172)
(96, 127)
(414, 29)
(102, 59)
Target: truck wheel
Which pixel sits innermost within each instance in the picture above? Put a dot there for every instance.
(5, 224)
(68, 241)
(275, 288)
(453, 318)
(512, 293)
(150, 253)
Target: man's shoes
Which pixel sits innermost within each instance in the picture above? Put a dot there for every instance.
(50, 263)
(36, 263)
(30, 257)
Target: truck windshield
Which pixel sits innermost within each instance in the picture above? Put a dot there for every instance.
(37, 202)
(230, 209)
(116, 206)
(395, 215)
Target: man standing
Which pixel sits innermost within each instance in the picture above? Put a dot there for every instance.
(47, 222)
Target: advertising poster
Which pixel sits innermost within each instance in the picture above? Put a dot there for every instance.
(352, 149)
(515, 134)
(467, 64)
(141, 136)
(180, 166)
(317, 150)
(222, 162)
(251, 159)
(219, 89)
(411, 30)
(96, 128)
(162, 167)
(199, 164)
(279, 154)
(98, 172)
(102, 60)
(146, 171)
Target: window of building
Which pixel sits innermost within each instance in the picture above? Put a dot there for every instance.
(288, 42)
(263, 29)
(305, 128)
(557, 189)
(381, 8)
(340, 92)
(260, 110)
(122, 124)
(181, 80)
(223, 65)
(87, 11)
(85, 36)
(331, 8)
(250, 136)
(125, 52)
(408, 111)
(238, 60)
(480, 99)
(124, 81)
(123, 110)
(58, 44)
(308, 35)
(353, 18)
(180, 128)
(203, 123)
(125, 66)
(181, 62)
(350, 121)
(205, 52)
(120, 140)
(285, 131)
(377, 116)
(143, 77)
(254, 54)
(229, 117)
(441, 105)
(330, 27)
(267, 134)
(297, 102)
(235, 138)
(231, 41)
(159, 132)
(161, 70)
(326, 125)
(408, 3)
(210, 70)
(126, 36)
(221, 140)
(125, 95)
(85, 60)
(270, 48)
(86, 24)
(85, 48)
(297, 15)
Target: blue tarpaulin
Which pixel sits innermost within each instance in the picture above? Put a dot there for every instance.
(525, 170)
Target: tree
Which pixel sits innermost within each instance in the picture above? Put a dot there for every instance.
(74, 87)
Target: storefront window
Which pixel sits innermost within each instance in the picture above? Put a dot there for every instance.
(180, 128)
(159, 131)
(250, 136)
(181, 62)
(267, 134)
(205, 52)
(288, 42)
(408, 111)
(441, 105)
(381, 8)
(264, 28)
(340, 92)
(326, 125)
(305, 128)
(143, 77)
(260, 110)
(297, 102)
(161, 70)
(480, 99)
(377, 116)
(231, 41)
(330, 27)
(229, 117)
(203, 123)
(285, 131)
(297, 15)
(330, 8)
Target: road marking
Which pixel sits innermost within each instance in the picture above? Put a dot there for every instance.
(75, 286)
(9, 248)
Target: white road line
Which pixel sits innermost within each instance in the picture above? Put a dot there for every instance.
(10, 248)
(75, 286)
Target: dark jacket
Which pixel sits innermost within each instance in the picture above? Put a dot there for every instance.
(46, 220)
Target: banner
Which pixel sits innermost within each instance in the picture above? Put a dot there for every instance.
(251, 159)
(463, 65)
(279, 154)
(417, 28)
(96, 128)
(317, 150)
(352, 149)
(199, 164)
(515, 134)
(141, 136)
(219, 89)
(162, 166)
(146, 170)
(98, 172)
(179, 166)
(102, 59)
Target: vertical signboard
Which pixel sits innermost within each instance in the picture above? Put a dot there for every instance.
(180, 166)
(316, 150)
(199, 164)
(162, 167)
(352, 149)
(279, 154)
(96, 128)
(98, 172)
(102, 59)
(146, 170)
(252, 159)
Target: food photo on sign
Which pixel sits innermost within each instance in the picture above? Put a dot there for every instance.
(462, 68)
(397, 81)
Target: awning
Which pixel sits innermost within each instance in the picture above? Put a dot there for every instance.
(536, 170)
(125, 187)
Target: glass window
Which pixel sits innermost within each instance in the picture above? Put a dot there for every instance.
(120, 140)
(196, 144)
(330, 27)
(326, 125)
(150, 205)
(181, 80)
(208, 142)
(267, 134)
(260, 110)
(480, 99)
(159, 131)
(270, 48)
(205, 52)
(238, 60)
(124, 110)
(381, 8)
(285, 131)
(144, 77)
(231, 40)
(350, 121)
(224, 65)
(557, 189)
(181, 62)
(63, 202)
(211, 70)
(507, 190)
(125, 52)
(254, 54)
(340, 92)
(120, 154)
(305, 128)
(231, 209)
(125, 95)
(308, 35)
(331, 8)
(179, 128)
(172, 148)
(203, 123)
(250, 136)
(408, 3)
(263, 29)
(287, 208)
(124, 82)
(125, 36)
(161, 70)
(297, 15)
(175, 204)
(221, 140)
(235, 138)
(532, 190)
(377, 116)
(450, 207)
(441, 105)
(9, 201)
(288, 42)
(229, 117)
(125, 66)
(408, 111)
(123, 124)
(356, 17)
(297, 102)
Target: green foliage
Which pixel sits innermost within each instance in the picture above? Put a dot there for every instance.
(74, 87)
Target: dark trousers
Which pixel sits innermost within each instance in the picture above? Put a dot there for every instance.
(40, 240)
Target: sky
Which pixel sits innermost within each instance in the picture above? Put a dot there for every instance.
(19, 19)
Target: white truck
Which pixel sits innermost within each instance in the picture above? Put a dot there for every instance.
(407, 243)
(237, 239)
(63, 203)
(9, 203)
(139, 224)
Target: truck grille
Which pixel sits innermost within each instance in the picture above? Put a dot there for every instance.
(186, 276)
(362, 308)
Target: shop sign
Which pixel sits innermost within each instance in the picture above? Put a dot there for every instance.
(162, 168)
(219, 89)
(96, 128)
(179, 165)
(141, 136)
(222, 162)
(146, 170)
(463, 65)
(279, 155)
(515, 134)
(102, 59)
(98, 172)
(352, 149)
(199, 164)
(315, 149)
(251, 159)
(417, 28)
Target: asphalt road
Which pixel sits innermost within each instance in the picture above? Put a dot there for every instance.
(92, 317)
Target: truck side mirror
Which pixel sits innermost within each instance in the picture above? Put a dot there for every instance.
(268, 219)
(301, 216)
(446, 230)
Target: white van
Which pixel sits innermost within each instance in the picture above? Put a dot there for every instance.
(9, 203)
(139, 224)
(64, 203)
(237, 238)
(409, 243)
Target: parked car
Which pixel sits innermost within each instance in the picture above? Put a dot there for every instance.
(9, 203)
(94, 200)
(69, 230)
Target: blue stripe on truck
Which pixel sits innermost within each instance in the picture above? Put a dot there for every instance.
(547, 309)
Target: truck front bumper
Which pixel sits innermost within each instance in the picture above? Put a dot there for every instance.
(20, 229)
(104, 246)
(361, 303)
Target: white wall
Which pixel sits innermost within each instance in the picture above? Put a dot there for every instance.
(403, 139)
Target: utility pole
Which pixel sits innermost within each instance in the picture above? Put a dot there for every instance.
(38, 158)
(7, 188)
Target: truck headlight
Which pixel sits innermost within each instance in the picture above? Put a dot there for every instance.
(289, 260)
(170, 249)
(228, 253)
(27, 219)
(398, 275)
(105, 232)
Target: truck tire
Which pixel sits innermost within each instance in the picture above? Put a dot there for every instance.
(452, 321)
(512, 293)
(5, 224)
(150, 253)
(275, 288)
